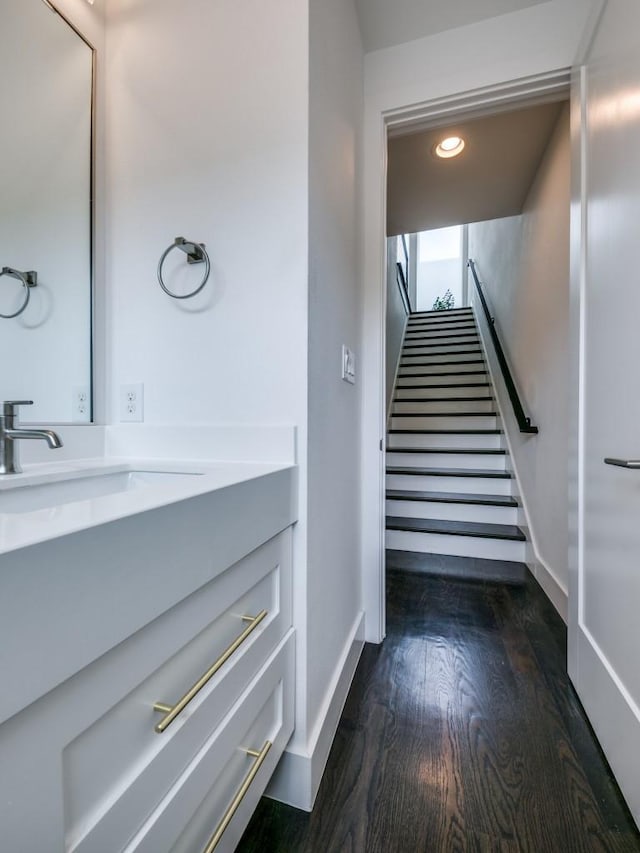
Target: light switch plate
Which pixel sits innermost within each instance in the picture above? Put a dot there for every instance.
(348, 365)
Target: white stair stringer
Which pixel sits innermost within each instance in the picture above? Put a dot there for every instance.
(450, 490)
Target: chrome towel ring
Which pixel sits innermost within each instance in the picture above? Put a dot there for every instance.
(28, 279)
(196, 254)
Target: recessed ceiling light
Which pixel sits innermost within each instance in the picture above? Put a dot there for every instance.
(449, 147)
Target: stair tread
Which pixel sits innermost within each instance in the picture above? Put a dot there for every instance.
(447, 385)
(461, 319)
(426, 328)
(469, 568)
(445, 431)
(443, 373)
(439, 342)
(457, 528)
(483, 473)
(451, 497)
(472, 351)
(472, 347)
(404, 364)
(443, 414)
(491, 451)
(449, 312)
(440, 354)
(419, 342)
(444, 399)
(438, 332)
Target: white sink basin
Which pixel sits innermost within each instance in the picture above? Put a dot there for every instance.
(29, 498)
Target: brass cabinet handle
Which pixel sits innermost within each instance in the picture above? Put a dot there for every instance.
(171, 711)
(239, 797)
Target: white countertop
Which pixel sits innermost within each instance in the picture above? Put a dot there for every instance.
(20, 529)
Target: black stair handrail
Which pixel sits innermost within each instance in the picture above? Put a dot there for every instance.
(524, 422)
(403, 287)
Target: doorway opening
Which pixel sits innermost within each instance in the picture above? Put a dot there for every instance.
(514, 98)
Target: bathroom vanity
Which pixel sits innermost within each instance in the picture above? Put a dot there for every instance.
(146, 652)
(146, 640)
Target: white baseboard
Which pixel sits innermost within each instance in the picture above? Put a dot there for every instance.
(298, 775)
(551, 586)
(555, 591)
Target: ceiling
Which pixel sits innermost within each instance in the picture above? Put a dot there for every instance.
(384, 23)
(489, 180)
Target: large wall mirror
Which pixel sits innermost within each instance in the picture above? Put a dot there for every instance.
(46, 213)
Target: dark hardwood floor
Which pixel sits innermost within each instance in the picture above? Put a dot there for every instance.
(460, 733)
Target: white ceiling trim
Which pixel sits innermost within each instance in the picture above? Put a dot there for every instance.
(491, 100)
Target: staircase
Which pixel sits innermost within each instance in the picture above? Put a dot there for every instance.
(450, 504)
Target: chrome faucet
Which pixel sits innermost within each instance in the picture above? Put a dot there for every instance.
(10, 434)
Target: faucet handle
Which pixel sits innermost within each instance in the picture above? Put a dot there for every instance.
(8, 406)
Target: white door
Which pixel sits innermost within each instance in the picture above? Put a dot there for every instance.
(604, 629)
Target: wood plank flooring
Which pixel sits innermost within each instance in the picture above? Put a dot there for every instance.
(460, 733)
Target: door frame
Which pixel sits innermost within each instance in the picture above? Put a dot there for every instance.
(379, 123)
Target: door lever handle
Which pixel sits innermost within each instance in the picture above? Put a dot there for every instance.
(623, 463)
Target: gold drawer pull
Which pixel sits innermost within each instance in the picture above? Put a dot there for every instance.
(239, 797)
(171, 711)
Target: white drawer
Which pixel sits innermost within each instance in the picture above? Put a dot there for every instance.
(118, 770)
(195, 807)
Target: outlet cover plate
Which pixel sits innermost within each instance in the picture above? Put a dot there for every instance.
(131, 403)
(80, 404)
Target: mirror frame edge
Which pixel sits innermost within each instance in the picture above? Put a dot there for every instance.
(93, 20)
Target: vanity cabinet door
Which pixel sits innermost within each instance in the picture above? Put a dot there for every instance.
(120, 767)
(215, 796)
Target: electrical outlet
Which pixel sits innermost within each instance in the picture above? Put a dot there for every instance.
(80, 404)
(132, 403)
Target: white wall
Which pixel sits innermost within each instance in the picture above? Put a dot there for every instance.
(415, 76)
(335, 122)
(228, 125)
(207, 139)
(523, 263)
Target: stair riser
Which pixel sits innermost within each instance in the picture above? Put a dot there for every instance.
(439, 349)
(434, 341)
(453, 512)
(447, 460)
(453, 316)
(410, 380)
(413, 357)
(461, 485)
(441, 346)
(440, 341)
(461, 546)
(446, 422)
(444, 440)
(458, 326)
(426, 336)
(437, 369)
(437, 393)
(460, 406)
